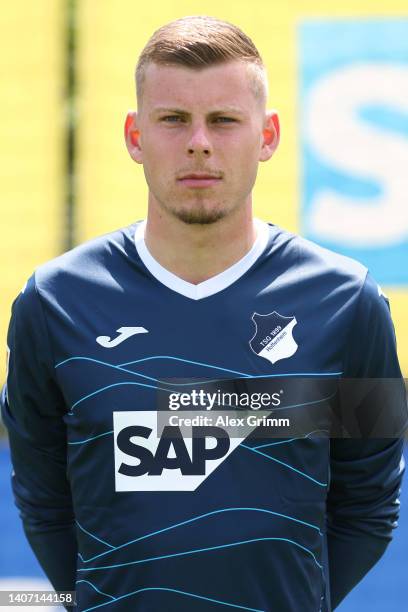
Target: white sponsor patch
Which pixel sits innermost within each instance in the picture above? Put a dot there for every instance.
(145, 461)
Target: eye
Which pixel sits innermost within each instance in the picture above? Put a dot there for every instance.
(172, 118)
(225, 120)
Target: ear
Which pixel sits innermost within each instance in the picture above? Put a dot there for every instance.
(270, 135)
(132, 137)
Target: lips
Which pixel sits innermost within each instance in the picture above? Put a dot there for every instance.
(199, 179)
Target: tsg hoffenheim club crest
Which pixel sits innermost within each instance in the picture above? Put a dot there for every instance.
(273, 337)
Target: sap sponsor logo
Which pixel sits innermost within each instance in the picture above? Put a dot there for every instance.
(147, 461)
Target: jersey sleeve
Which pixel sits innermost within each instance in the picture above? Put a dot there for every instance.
(32, 410)
(366, 471)
(371, 349)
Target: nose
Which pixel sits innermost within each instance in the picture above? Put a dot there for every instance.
(199, 142)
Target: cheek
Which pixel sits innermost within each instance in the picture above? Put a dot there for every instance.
(159, 169)
(243, 159)
(240, 146)
(158, 142)
(156, 160)
(243, 163)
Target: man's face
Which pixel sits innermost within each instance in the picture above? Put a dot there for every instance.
(200, 135)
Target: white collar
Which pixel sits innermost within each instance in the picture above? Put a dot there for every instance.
(215, 283)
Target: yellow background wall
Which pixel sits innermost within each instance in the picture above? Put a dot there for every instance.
(32, 119)
(110, 187)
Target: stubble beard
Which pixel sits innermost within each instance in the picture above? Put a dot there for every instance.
(197, 213)
(199, 216)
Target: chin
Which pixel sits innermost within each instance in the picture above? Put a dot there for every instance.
(199, 217)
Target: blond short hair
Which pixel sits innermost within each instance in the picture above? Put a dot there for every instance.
(199, 42)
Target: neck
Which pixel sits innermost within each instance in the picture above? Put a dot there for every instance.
(195, 252)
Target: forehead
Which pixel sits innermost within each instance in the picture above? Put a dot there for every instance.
(230, 83)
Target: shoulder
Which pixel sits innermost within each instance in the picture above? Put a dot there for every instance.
(320, 259)
(332, 275)
(328, 277)
(306, 261)
(94, 261)
(344, 271)
(93, 265)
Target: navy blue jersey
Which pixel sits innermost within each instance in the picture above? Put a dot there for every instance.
(262, 526)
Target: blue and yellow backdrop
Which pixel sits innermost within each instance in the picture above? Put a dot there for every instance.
(338, 74)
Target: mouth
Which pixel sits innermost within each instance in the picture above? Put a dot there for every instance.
(199, 179)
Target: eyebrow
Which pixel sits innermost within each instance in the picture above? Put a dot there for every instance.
(179, 111)
(163, 109)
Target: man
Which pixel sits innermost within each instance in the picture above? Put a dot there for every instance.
(198, 291)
